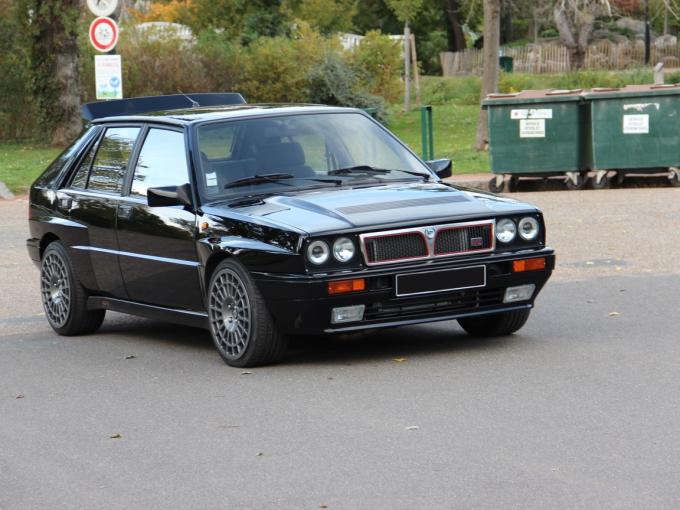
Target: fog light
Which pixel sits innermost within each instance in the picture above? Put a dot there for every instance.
(347, 314)
(519, 293)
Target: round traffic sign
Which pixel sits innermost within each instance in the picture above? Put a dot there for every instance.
(102, 7)
(104, 34)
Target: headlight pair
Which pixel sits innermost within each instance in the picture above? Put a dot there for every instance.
(318, 252)
(507, 229)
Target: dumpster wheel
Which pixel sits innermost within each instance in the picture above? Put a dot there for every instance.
(497, 184)
(601, 180)
(576, 180)
(674, 176)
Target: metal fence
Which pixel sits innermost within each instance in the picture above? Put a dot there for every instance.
(554, 58)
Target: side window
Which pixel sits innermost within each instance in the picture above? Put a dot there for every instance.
(162, 162)
(80, 177)
(111, 161)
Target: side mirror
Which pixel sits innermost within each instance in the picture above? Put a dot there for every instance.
(442, 167)
(169, 195)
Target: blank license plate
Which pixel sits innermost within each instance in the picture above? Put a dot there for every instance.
(441, 280)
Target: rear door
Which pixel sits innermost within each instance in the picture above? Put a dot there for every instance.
(158, 256)
(91, 200)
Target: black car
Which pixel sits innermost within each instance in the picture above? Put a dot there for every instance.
(258, 222)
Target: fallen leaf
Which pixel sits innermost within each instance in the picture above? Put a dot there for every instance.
(590, 263)
(130, 356)
(115, 436)
(614, 314)
(399, 360)
(19, 396)
(413, 427)
(245, 372)
(259, 454)
(590, 301)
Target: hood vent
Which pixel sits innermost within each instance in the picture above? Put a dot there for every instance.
(400, 204)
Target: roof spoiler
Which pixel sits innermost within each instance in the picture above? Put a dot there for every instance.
(139, 105)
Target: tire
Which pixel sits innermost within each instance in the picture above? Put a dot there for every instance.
(513, 184)
(674, 181)
(63, 297)
(603, 184)
(581, 182)
(242, 328)
(500, 324)
(493, 188)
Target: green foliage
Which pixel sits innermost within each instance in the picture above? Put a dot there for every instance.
(324, 16)
(333, 82)
(377, 62)
(405, 10)
(463, 90)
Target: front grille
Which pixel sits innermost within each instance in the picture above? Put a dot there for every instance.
(393, 247)
(463, 239)
(462, 302)
(428, 242)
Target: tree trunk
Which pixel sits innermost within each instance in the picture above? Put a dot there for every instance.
(575, 37)
(492, 34)
(407, 68)
(456, 37)
(54, 65)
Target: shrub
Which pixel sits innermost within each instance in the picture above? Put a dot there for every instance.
(377, 62)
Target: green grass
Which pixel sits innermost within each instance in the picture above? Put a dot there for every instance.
(454, 135)
(20, 164)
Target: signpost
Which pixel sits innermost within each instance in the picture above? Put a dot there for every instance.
(102, 7)
(108, 76)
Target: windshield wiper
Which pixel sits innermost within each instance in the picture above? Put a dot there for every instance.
(367, 169)
(259, 179)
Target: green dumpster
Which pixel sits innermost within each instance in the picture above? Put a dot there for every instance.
(635, 130)
(537, 133)
(506, 64)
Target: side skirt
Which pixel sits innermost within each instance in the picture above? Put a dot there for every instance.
(185, 317)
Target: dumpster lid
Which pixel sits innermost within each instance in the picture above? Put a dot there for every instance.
(633, 91)
(533, 96)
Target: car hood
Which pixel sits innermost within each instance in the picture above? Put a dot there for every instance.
(330, 210)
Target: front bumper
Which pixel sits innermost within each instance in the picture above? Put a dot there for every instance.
(301, 304)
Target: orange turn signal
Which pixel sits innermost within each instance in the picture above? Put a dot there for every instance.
(519, 266)
(343, 286)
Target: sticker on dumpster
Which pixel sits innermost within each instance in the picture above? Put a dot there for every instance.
(537, 113)
(636, 124)
(641, 106)
(532, 128)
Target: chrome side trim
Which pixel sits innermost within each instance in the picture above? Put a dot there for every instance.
(167, 260)
(430, 240)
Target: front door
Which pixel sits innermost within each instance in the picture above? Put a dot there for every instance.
(158, 257)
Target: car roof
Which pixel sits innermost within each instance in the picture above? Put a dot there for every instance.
(183, 117)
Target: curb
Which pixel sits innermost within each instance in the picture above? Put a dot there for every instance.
(5, 193)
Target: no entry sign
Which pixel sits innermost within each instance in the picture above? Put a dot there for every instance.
(104, 34)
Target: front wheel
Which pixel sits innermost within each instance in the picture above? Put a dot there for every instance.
(499, 324)
(242, 329)
(63, 297)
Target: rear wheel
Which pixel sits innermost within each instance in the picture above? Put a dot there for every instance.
(242, 329)
(63, 297)
(580, 183)
(499, 324)
(494, 187)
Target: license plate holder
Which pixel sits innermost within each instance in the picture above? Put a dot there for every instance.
(440, 280)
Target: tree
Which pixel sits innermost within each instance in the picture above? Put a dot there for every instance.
(492, 36)
(52, 30)
(456, 37)
(405, 11)
(325, 16)
(575, 21)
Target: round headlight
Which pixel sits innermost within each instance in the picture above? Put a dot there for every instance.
(528, 228)
(506, 230)
(343, 249)
(317, 252)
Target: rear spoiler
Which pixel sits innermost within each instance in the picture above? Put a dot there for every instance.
(140, 105)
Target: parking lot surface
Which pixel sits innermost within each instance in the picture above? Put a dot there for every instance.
(578, 410)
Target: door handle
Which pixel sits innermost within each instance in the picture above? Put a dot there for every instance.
(125, 211)
(65, 203)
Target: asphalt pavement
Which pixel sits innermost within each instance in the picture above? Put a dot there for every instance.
(580, 409)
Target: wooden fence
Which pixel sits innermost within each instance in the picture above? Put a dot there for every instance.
(554, 58)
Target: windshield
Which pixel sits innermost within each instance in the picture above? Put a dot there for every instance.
(299, 151)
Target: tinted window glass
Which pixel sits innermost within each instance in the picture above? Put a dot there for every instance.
(80, 178)
(162, 162)
(111, 161)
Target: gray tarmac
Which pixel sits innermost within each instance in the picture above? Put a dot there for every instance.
(580, 409)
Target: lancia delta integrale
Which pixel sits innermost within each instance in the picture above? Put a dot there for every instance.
(258, 222)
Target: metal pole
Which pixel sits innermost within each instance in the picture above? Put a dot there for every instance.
(423, 133)
(430, 131)
(647, 33)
